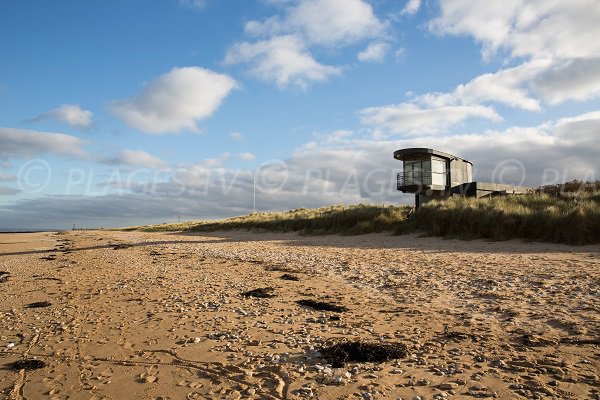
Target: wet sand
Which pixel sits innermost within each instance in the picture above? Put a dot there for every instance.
(119, 315)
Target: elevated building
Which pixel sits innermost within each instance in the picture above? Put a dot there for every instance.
(432, 174)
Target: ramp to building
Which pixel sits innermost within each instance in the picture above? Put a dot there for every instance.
(483, 189)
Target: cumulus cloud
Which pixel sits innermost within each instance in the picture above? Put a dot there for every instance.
(23, 143)
(283, 59)
(138, 158)
(246, 156)
(70, 114)
(237, 136)
(282, 52)
(411, 7)
(507, 86)
(561, 36)
(525, 28)
(408, 118)
(175, 101)
(323, 22)
(375, 52)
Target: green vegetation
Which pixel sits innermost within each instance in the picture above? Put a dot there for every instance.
(345, 220)
(571, 219)
(568, 213)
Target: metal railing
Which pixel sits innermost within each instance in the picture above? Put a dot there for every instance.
(406, 179)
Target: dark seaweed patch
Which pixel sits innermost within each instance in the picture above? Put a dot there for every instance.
(459, 336)
(27, 364)
(281, 268)
(342, 352)
(39, 304)
(322, 305)
(262, 293)
(289, 277)
(581, 342)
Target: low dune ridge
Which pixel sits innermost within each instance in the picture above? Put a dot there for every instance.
(230, 315)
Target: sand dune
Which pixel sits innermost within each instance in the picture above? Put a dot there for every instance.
(119, 315)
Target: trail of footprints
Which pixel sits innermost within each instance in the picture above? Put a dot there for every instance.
(169, 321)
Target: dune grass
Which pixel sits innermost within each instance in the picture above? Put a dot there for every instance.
(548, 215)
(571, 219)
(344, 220)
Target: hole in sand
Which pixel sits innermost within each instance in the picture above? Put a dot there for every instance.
(39, 304)
(342, 352)
(289, 277)
(322, 305)
(262, 293)
(27, 365)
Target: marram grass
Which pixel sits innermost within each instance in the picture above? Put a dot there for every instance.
(572, 218)
(344, 220)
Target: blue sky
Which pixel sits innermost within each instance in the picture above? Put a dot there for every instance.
(127, 112)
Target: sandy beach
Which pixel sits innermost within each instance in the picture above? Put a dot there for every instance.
(115, 315)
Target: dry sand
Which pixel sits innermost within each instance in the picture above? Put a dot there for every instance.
(164, 318)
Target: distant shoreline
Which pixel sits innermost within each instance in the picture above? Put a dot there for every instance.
(31, 231)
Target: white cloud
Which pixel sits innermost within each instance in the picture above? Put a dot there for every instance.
(330, 22)
(525, 28)
(324, 22)
(576, 79)
(409, 118)
(175, 101)
(375, 52)
(70, 114)
(556, 41)
(283, 59)
(507, 86)
(246, 156)
(237, 136)
(136, 158)
(399, 54)
(24, 143)
(332, 169)
(282, 54)
(411, 7)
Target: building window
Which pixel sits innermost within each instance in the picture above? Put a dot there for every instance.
(425, 172)
(417, 172)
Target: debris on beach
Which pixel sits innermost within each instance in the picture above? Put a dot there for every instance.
(262, 293)
(281, 268)
(39, 304)
(4, 276)
(290, 277)
(322, 305)
(344, 351)
(28, 364)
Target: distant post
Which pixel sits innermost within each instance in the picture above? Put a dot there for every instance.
(254, 196)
